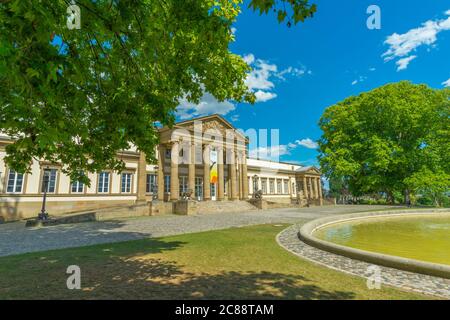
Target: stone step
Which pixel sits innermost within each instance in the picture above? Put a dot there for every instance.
(204, 207)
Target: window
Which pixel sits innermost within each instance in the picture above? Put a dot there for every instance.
(286, 186)
(183, 184)
(77, 187)
(264, 186)
(199, 188)
(299, 184)
(103, 182)
(15, 182)
(126, 182)
(49, 180)
(271, 186)
(151, 183)
(279, 191)
(167, 184)
(168, 153)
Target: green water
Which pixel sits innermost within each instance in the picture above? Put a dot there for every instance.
(420, 238)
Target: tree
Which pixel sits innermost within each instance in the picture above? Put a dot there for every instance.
(429, 184)
(387, 139)
(79, 96)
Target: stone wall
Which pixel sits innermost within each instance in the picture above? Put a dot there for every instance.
(17, 210)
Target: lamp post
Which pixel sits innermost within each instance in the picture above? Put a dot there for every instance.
(43, 215)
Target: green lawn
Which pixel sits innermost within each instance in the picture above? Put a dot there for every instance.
(236, 263)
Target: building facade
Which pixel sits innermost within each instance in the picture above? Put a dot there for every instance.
(182, 154)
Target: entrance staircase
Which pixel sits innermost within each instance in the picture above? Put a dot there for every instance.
(204, 207)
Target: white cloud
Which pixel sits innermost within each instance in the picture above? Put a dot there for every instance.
(275, 151)
(402, 45)
(270, 153)
(372, 69)
(307, 143)
(292, 71)
(208, 105)
(446, 83)
(263, 96)
(260, 79)
(360, 79)
(249, 58)
(402, 64)
(235, 117)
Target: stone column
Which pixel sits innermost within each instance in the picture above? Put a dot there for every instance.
(232, 172)
(305, 188)
(191, 169)
(174, 183)
(239, 162)
(320, 190)
(142, 178)
(317, 188)
(161, 152)
(206, 173)
(244, 177)
(310, 191)
(220, 174)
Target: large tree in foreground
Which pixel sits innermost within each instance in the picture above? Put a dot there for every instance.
(79, 96)
(393, 138)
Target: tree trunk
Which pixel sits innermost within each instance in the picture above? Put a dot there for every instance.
(389, 197)
(407, 197)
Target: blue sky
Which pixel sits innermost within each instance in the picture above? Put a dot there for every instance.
(299, 71)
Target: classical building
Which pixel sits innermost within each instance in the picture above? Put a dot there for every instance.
(180, 172)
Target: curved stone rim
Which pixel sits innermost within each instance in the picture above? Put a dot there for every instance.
(434, 269)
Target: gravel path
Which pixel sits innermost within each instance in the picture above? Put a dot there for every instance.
(436, 286)
(16, 239)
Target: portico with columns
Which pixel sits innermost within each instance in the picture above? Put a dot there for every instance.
(185, 164)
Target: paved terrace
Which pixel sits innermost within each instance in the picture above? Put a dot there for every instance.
(16, 239)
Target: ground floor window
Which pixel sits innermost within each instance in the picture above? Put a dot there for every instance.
(213, 190)
(271, 186)
(167, 184)
(264, 186)
(103, 182)
(286, 186)
(77, 186)
(126, 182)
(49, 179)
(299, 185)
(198, 188)
(183, 184)
(151, 183)
(279, 191)
(15, 182)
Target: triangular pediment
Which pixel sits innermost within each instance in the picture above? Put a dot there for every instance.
(309, 170)
(212, 122)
